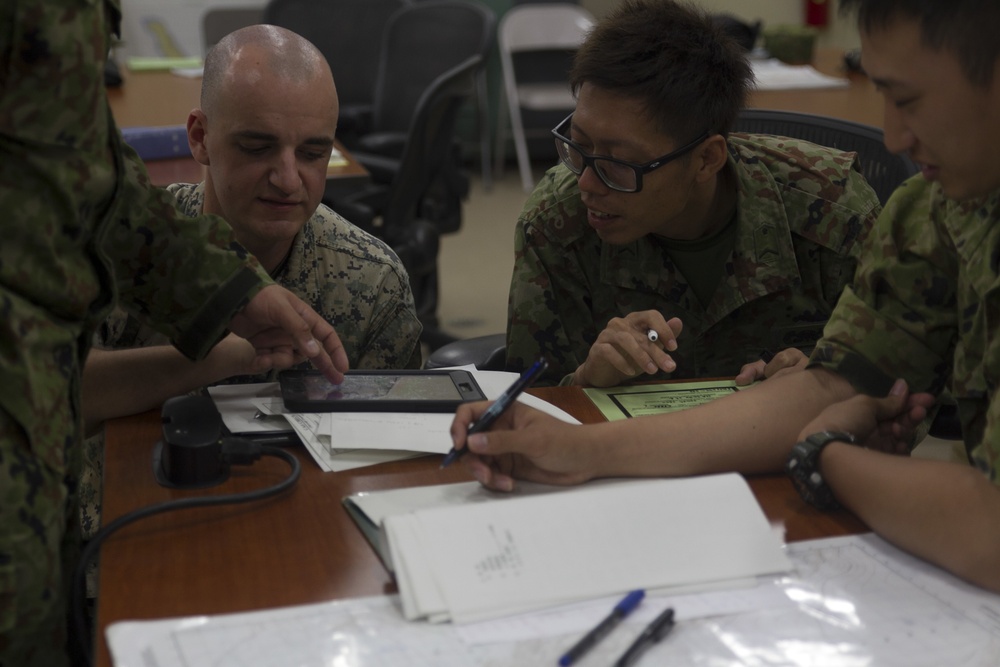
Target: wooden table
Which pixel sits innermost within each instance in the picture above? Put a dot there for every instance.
(859, 101)
(298, 548)
(155, 99)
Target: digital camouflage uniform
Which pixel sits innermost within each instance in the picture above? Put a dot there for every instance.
(352, 279)
(802, 213)
(83, 226)
(925, 307)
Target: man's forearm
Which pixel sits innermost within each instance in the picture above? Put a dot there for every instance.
(751, 431)
(946, 513)
(124, 382)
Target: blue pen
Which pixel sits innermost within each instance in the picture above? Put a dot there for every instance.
(621, 610)
(488, 418)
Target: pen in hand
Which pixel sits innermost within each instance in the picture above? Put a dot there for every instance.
(492, 413)
(654, 632)
(621, 610)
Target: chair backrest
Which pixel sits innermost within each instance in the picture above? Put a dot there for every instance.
(218, 22)
(347, 32)
(421, 42)
(883, 170)
(429, 143)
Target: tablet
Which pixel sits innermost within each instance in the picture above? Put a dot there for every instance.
(379, 391)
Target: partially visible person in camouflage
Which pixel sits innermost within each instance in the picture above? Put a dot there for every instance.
(83, 228)
(922, 315)
(657, 220)
(264, 132)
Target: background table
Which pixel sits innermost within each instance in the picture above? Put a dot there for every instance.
(859, 101)
(300, 547)
(157, 98)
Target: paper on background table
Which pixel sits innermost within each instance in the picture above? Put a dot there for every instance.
(772, 74)
(496, 558)
(852, 601)
(337, 159)
(158, 63)
(655, 399)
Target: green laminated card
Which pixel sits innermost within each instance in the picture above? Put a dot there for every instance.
(656, 399)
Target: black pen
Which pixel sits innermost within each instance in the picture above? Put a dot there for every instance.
(621, 610)
(766, 356)
(653, 633)
(488, 418)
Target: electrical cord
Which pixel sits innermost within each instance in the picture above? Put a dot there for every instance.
(238, 451)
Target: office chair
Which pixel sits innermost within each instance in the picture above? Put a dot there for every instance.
(486, 353)
(218, 22)
(397, 211)
(883, 170)
(556, 29)
(444, 33)
(349, 34)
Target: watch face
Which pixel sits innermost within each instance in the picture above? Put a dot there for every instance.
(804, 472)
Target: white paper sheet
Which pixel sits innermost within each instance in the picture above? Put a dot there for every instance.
(496, 558)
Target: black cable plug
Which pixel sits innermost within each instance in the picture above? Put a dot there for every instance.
(240, 451)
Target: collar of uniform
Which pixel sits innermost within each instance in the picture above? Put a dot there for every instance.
(972, 227)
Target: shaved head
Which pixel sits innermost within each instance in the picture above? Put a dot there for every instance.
(264, 132)
(257, 48)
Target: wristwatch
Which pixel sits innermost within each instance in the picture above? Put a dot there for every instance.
(803, 468)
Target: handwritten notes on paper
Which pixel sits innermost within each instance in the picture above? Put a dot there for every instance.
(482, 560)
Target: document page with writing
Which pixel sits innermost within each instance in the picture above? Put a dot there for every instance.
(491, 559)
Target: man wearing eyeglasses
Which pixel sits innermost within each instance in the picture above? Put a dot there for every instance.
(657, 221)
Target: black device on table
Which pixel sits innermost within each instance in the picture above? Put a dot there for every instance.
(379, 391)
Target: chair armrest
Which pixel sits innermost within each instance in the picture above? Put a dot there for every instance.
(487, 353)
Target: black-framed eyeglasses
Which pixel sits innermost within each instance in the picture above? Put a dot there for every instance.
(619, 175)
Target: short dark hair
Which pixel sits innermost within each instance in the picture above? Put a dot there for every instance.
(967, 28)
(690, 75)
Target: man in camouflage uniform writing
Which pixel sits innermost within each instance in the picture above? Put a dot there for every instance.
(264, 132)
(656, 220)
(923, 309)
(84, 228)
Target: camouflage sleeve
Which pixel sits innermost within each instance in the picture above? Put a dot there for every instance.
(549, 311)
(899, 318)
(392, 339)
(185, 277)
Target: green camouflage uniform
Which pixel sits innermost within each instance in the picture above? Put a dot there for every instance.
(802, 213)
(348, 276)
(925, 307)
(352, 279)
(83, 227)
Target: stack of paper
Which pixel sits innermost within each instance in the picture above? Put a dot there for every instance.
(471, 561)
(346, 440)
